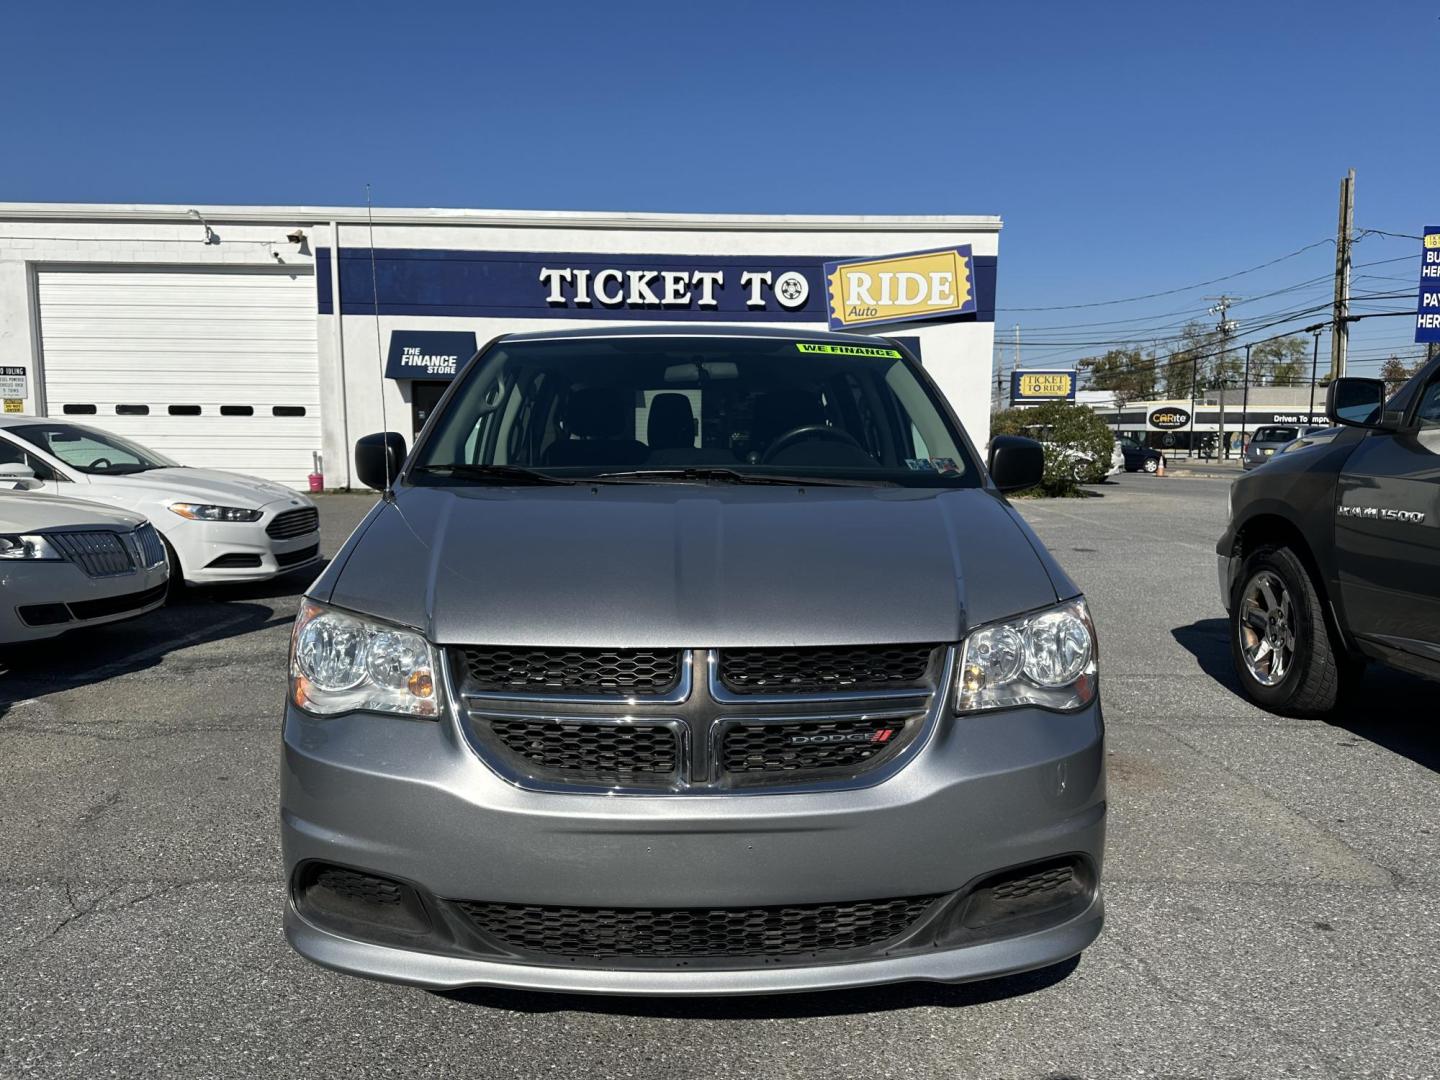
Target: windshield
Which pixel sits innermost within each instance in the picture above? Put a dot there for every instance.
(89, 450)
(758, 407)
(1276, 434)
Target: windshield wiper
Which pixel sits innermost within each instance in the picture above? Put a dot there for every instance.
(731, 476)
(514, 474)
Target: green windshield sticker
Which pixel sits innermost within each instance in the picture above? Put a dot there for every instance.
(849, 350)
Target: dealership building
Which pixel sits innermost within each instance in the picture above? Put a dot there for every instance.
(252, 337)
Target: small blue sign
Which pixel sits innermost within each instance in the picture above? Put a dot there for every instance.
(1427, 311)
(428, 354)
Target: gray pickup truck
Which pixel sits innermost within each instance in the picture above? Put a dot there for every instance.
(1331, 558)
(679, 662)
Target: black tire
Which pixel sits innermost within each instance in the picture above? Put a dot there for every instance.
(175, 587)
(1312, 678)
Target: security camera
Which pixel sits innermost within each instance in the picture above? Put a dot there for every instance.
(296, 237)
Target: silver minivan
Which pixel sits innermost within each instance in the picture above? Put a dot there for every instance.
(693, 662)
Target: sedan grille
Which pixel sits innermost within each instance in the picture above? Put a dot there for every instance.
(615, 754)
(680, 934)
(99, 554)
(499, 669)
(829, 668)
(293, 523)
(152, 548)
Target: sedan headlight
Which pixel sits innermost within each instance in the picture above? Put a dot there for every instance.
(1048, 658)
(28, 547)
(341, 662)
(209, 512)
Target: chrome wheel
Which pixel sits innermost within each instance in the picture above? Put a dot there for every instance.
(1152, 464)
(1266, 626)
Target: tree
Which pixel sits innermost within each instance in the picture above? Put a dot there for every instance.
(1067, 432)
(1396, 373)
(1188, 365)
(1280, 362)
(1129, 373)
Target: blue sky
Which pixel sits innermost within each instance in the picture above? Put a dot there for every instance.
(1132, 148)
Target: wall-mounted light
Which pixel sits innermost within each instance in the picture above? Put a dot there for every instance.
(210, 237)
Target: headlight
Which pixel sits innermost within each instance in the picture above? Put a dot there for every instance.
(28, 547)
(207, 512)
(1047, 658)
(341, 662)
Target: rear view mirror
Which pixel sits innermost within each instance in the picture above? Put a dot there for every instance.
(1356, 402)
(378, 458)
(19, 477)
(1016, 463)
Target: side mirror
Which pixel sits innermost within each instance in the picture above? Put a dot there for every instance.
(19, 477)
(1356, 402)
(378, 458)
(1016, 463)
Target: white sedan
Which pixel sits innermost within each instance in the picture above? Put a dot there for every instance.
(66, 564)
(217, 526)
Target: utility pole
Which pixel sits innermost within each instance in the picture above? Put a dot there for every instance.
(1245, 402)
(1340, 337)
(1315, 364)
(1017, 346)
(1225, 327)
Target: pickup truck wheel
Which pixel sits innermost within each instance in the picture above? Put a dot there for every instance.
(1278, 637)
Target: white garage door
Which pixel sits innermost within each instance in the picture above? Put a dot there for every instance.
(213, 368)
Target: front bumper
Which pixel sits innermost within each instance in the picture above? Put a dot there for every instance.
(215, 552)
(410, 800)
(65, 598)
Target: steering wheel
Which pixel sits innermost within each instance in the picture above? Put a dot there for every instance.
(100, 463)
(823, 432)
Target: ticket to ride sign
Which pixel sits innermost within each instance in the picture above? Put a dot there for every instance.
(1042, 386)
(900, 288)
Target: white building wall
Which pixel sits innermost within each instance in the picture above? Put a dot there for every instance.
(957, 354)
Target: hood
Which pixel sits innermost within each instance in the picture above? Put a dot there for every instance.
(692, 566)
(206, 486)
(30, 512)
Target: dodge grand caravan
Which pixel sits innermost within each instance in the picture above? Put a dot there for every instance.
(692, 663)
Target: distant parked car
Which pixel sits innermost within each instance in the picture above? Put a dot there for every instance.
(217, 526)
(1139, 458)
(66, 564)
(1268, 441)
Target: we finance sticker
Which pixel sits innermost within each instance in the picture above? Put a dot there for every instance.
(849, 350)
(901, 288)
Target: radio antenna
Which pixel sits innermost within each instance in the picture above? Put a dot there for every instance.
(379, 347)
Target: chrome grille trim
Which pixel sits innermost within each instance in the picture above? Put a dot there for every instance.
(99, 553)
(701, 719)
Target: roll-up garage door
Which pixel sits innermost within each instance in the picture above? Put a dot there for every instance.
(215, 368)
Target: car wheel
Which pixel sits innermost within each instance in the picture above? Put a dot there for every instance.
(1151, 465)
(176, 585)
(1278, 638)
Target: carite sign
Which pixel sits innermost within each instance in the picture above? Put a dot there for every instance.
(1427, 315)
(428, 354)
(1169, 419)
(1042, 386)
(900, 288)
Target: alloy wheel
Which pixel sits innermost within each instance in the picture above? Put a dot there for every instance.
(1266, 626)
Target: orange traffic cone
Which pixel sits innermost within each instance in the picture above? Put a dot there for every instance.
(1160, 469)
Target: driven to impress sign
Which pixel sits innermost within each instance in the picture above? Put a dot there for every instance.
(1427, 317)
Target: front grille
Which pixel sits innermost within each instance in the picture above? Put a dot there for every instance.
(116, 605)
(99, 554)
(828, 668)
(293, 523)
(761, 933)
(493, 669)
(807, 745)
(234, 560)
(152, 548)
(1056, 877)
(614, 754)
(357, 886)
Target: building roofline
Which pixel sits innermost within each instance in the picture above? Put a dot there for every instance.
(552, 219)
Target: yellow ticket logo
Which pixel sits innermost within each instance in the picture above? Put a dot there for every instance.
(900, 288)
(1036, 384)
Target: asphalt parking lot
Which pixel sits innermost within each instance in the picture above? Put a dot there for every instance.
(1273, 885)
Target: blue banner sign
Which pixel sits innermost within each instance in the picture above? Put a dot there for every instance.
(1427, 315)
(544, 284)
(1034, 385)
(428, 354)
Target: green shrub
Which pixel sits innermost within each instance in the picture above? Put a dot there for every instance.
(1061, 426)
